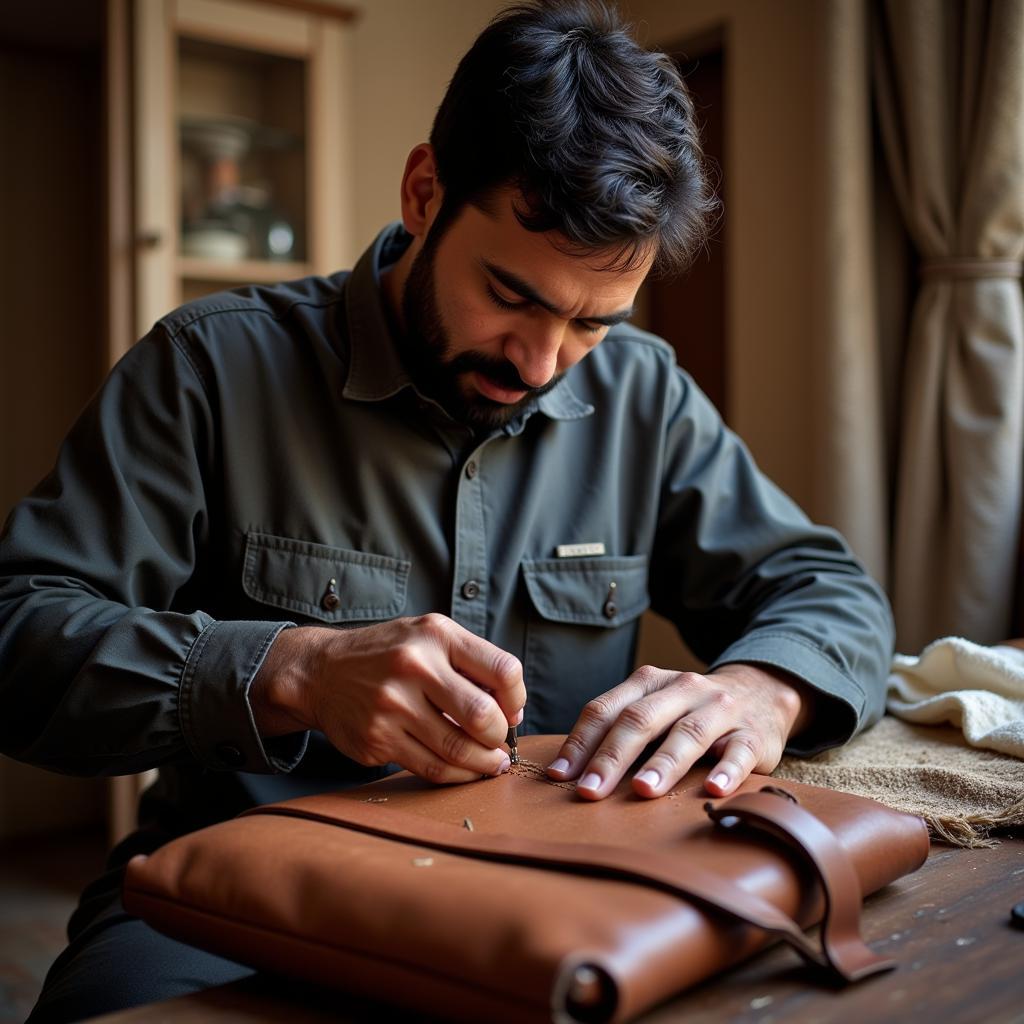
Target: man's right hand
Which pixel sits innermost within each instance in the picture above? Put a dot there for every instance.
(422, 692)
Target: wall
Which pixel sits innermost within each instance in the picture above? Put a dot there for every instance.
(771, 158)
(51, 341)
(405, 52)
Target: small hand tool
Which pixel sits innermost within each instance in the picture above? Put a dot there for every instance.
(512, 741)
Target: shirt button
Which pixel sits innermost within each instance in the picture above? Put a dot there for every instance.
(471, 468)
(610, 609)
(470, 589)
(330, 600)
(229, 756)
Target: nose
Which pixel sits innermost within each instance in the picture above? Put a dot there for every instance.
(534, 352)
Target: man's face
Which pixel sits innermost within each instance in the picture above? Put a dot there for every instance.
(495, 314)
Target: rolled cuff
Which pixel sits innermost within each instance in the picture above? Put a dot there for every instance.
(216, 717)
(843, 708)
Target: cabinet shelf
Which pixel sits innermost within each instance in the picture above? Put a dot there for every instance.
(191, 268)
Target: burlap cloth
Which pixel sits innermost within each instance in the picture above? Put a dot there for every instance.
(963, 793)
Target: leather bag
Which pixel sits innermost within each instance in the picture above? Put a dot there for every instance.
(512, 899)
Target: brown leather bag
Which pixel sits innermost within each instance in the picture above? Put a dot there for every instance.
(512, 899)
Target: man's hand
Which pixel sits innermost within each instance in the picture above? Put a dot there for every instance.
(742, 714)
(422, 692)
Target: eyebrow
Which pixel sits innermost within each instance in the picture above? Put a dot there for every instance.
(525, 290)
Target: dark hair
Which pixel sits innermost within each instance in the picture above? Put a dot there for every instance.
(596, 133)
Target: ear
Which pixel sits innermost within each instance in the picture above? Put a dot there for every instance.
(421, 191)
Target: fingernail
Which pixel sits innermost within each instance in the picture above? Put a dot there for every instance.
(518, 720)
(650, 776)
(590, 781)
(721, 780)
(506, 763)
(559, 765)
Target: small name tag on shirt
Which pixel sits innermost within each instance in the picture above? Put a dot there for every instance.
(579, 550)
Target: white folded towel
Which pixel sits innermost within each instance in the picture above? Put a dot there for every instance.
(978, 689)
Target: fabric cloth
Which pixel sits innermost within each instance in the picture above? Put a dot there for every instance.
(263, 450)
(978, 689)
(949, 84)
(963, 793)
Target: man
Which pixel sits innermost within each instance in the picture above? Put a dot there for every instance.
(462, 454)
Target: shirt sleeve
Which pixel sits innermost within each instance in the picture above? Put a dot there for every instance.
(747, 577)
(107, 664)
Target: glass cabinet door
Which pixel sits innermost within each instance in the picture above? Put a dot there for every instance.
(242, 197)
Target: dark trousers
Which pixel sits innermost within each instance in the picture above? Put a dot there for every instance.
(114, 961)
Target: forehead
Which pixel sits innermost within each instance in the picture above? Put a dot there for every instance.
(545, 259)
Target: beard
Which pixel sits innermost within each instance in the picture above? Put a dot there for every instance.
(426, 353)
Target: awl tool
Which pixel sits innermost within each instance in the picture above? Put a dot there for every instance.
(513, 748)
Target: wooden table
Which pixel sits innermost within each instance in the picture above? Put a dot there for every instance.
(947, 925)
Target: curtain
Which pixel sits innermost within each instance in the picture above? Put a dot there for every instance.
(949, 88)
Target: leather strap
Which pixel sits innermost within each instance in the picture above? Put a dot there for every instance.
(777, 812)
(842, 953)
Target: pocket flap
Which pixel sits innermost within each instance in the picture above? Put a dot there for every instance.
(296, 575)
(588, 591)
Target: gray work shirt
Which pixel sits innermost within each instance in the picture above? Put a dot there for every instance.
(259, 444)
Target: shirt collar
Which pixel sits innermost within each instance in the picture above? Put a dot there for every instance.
(375, 367)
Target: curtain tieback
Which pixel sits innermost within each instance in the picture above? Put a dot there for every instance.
(961, 267)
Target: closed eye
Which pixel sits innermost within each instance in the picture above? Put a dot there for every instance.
(503, 303)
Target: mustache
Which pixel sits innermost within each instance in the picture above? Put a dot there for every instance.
(501, 371)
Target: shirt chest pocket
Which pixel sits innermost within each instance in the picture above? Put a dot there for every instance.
(323, 583)
(588, 591)
(581, 632)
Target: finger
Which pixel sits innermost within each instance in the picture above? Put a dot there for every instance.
(689, 739)
(423, 762)
(452, 744)
(471, 708)
(742, 754)
(489, 667)
(598, 717)
(637, 725)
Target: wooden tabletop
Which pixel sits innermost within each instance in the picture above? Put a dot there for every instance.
(948, 926)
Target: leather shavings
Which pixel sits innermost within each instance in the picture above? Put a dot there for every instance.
(535, 770)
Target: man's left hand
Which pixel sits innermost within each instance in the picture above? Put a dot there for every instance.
(742, 714)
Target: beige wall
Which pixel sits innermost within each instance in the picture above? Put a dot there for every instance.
(404, 54)
(771, 56)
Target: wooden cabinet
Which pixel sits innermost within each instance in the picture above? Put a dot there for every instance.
(242, 163)
(237, 136)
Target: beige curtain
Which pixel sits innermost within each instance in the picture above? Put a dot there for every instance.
(949, 82)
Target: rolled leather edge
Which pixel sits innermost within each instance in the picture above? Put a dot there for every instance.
(575, 1000)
